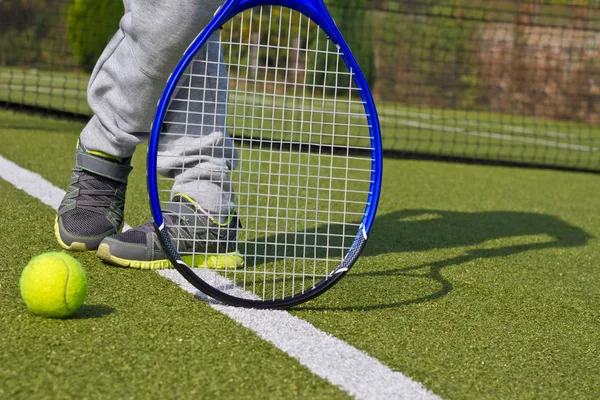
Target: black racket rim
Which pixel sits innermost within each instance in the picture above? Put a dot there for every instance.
(284, 303)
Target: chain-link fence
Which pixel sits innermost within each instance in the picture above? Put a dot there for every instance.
(501, 81)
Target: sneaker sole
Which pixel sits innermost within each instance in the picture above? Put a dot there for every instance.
(231, 260)
(75, 246)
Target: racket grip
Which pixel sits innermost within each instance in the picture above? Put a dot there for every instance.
(167, 244)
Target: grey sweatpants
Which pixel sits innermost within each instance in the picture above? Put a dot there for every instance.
(129, 79)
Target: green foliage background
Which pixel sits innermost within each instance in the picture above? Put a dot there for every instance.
(91, 24)
(420, 53)
(354, 21)
(29, 30)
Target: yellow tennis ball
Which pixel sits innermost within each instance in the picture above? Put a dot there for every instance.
(53, 285)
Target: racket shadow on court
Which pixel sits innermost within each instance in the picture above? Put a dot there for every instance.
(312, 243)
(483, 235)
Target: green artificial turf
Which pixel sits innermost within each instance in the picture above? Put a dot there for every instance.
(480, 282)
(138, 335)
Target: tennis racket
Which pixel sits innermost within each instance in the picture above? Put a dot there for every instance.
(265, 160)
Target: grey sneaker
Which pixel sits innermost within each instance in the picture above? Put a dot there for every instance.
(93, 207)
(200, 240)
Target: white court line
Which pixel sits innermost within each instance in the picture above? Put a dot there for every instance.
(384, 117)
(499, 136)
(350, 369)
(386, 112)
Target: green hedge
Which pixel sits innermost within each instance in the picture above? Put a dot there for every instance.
(353, 20)
(90, 26)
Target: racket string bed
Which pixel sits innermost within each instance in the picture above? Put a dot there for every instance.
(288, 125)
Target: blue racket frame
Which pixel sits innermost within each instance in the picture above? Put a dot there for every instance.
(317, 11)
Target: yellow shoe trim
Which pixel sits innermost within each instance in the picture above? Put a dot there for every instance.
(215, 261)
(104, 155)
(188, 198)
(103, 253)
(75, 246)
(231, 260)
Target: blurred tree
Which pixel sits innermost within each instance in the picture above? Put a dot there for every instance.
(449, 52)
(90, 26)
(24, 24)
(353, 20)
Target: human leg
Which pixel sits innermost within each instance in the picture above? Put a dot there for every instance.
(124, 88)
